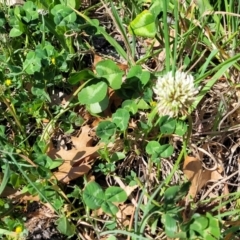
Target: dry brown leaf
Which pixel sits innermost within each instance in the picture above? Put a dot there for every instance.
(127, 209)
(8, 192)
(114, 102)
(96, 60)
(66, 172)
(192, 169)
(82, 147)
(76, 160)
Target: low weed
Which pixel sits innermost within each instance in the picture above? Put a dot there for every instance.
(121, 118)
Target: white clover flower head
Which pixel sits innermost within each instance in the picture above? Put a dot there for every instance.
(175, 94)
(42, 12)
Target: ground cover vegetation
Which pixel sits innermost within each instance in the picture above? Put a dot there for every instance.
(119, 119)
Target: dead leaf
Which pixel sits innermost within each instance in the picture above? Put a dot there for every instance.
(192, 169)
(8, 191)
(66, 172)
(96, 60)
(82, 147)
(77, 159)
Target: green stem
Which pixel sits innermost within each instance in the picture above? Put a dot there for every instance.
(14, 115)
(182, 153)
(166, 35)
(30, 182)
(43, 34)
(49, 128)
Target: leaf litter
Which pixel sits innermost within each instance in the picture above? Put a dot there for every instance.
(77, 160)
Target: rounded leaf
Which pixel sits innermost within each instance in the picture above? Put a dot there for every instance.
(153, 147)
(99, 106)
(115, 194)
(121, 118)
(143, 25)
(93, 93)
(105, 129)
(79, 76)
(63, 15)
(93, 195)
(137, 72)
(170, 194)
(65, 227)
(168, 126)
(166, 150)
(130, 105)
(110, 208)
(109, 70)
(181, 128)
(170, 225)
(117, 156)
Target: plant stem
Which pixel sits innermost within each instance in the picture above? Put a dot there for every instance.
(49, 128)
(13, 113)
(182, 153)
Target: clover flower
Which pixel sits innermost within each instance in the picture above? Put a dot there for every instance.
(42, 12)
(175, 94)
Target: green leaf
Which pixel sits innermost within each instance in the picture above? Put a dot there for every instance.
(153, 147)
(117, 156)
(32, 63)
(170, 194)
(93, 195)
(213, 227)
(137, 72)
(63, 15)
(142, 105)
(168, 126)
(93, 93)
(199, 224)
(143, 25)
(99, 106)
(74, 3)
(105, 130)
(5, 179)
(166, 150)
(156, 7)
(109, 70)
(65, 227)
(15, 32)
(115, 194)
(181, 128)
(55, 163)
(170, 225)
(2, 131)
(121, 118)
(81, 76)
(16, 180)
(130, 105)
(110, 208)
(30, 11)
(40, 93)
